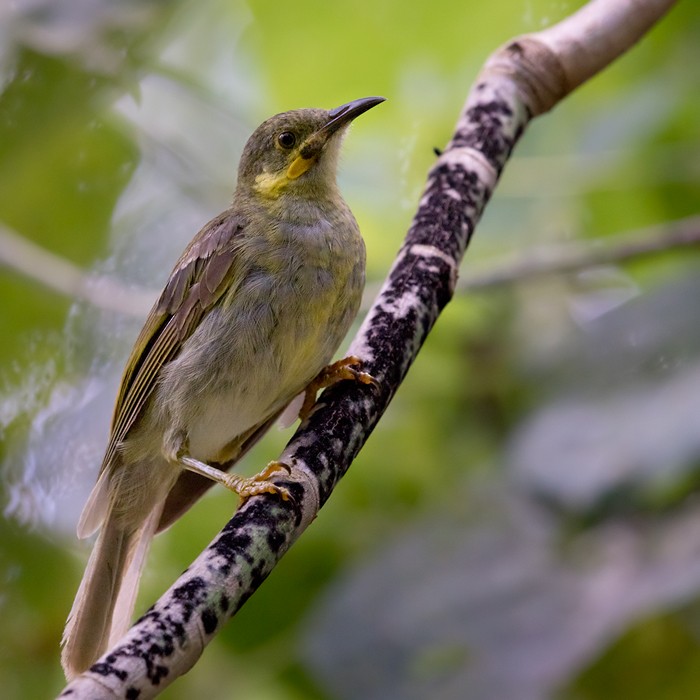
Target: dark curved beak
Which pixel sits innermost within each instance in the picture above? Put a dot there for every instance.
(346, 113)
(337, 119)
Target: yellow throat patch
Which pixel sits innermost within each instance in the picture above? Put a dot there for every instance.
(271, 184)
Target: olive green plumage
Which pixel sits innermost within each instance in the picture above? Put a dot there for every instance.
(255, 307)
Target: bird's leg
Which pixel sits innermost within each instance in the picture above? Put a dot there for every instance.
(243, 486)
(347, 368)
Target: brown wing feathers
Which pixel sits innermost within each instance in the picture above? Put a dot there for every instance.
(196, 284)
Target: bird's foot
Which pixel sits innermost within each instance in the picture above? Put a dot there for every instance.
(349, 368)
(249, 486)
(244, 486)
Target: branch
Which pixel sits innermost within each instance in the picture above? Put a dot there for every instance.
(523, 79)
(62, 276)
(557, 259)
(572, 257)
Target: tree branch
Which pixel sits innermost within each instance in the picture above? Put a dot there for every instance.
(521, 80)
(572, 257)
(62, 276)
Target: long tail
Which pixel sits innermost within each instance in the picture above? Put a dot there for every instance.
(103, 606)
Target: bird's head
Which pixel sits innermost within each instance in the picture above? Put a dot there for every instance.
(297, 152)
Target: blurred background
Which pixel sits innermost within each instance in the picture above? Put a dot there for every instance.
(524, 521)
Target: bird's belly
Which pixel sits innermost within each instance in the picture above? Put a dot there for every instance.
(246, 362)
(222, 417)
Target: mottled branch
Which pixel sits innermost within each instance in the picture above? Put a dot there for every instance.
(526, 77)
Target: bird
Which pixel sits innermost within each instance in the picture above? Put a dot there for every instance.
(250, 318)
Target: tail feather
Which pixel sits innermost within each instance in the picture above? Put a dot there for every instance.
(126, 598)
(96, 508)
(105, 600)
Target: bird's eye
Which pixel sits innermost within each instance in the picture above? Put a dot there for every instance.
(287, 139)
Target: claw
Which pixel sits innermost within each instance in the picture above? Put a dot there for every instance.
(271, 469)
(246, 487)
(346, 369)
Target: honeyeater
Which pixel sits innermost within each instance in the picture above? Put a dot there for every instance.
(249, 318)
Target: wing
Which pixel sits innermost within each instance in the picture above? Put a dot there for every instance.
(200, 277)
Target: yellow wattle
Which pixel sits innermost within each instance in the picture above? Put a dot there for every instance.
(299, 166)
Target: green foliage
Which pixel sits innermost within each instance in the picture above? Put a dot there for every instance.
(655, 658)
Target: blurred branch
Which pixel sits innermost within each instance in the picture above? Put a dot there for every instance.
(571, 257)
(527, 77)
(561, 258)
(62, 276)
